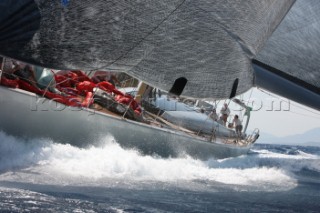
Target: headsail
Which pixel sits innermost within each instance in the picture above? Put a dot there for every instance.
(289, 63)
(209, 43)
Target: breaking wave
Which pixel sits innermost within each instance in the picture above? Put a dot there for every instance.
(45, 162)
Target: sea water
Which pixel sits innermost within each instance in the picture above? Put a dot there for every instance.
(39, 175)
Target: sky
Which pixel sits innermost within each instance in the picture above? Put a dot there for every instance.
(279, 116)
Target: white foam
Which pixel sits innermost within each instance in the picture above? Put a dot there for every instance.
(292, 163)
(42, 161)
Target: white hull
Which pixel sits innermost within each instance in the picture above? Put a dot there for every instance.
(22, 116)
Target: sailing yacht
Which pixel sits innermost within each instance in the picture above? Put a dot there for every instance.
(200, 49)
(39, 115)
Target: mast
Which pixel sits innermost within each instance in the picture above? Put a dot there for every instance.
(247, 112)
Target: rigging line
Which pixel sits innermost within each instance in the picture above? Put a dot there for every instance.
(249, 96)
(145, 37)
(241, 114)
(318, 118)
(298, 106)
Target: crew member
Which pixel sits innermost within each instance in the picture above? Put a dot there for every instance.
(225, 112)
(238, 125)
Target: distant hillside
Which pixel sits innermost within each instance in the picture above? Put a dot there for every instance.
(309, 138)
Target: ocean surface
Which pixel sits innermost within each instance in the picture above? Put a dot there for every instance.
(43, 176)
